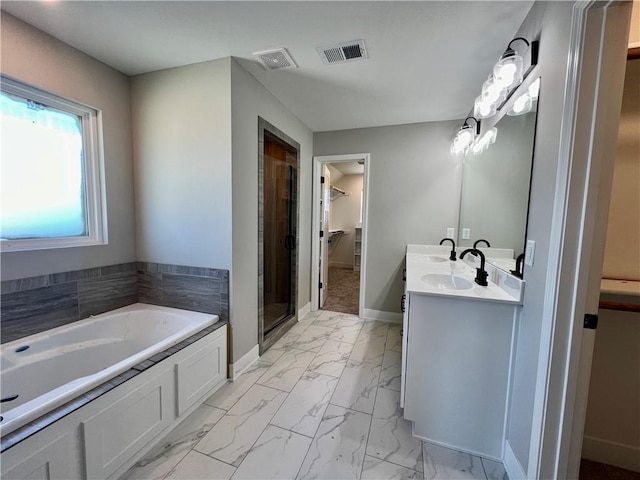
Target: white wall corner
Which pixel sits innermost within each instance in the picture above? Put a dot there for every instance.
(304, 310)
(381, 315)
(236, 369)
(511, 464)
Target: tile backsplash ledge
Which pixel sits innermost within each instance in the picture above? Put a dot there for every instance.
(31, 305)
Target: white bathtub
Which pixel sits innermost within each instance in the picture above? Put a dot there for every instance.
(65, 362)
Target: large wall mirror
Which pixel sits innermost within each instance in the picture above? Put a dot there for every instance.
(496, 182)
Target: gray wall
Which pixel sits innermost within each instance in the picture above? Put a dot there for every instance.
(550, 23)
(612, 424)
(32, 56)
(249, 99)
(182, 147)
(414, 195)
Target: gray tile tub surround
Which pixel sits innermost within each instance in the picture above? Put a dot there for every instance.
(191, 288)
(32, 305)
(35, 304)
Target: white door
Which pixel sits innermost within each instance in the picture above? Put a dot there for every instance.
(325, 210)
(579, 231)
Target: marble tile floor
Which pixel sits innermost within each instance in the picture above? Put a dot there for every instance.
(322, 403)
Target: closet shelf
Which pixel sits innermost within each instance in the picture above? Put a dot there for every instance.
(337, 192)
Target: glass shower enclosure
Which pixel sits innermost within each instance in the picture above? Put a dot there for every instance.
(277, 232)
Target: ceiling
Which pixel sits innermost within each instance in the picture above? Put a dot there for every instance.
(349, 168)
(427, 59)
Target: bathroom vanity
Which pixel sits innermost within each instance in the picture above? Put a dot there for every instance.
(457, 350)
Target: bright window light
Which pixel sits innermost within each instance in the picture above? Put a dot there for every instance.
(42, 184)
(50, 171)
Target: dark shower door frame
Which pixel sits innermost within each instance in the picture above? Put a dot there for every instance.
(266, 339)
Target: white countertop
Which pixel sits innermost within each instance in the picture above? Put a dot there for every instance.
(418, 265)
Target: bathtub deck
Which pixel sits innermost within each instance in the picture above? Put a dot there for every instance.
(35, 426)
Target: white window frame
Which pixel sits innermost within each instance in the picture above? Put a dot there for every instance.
(96, 205)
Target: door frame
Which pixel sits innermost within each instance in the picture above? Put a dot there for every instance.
(583, 189)
(325, 196)
(318, 160)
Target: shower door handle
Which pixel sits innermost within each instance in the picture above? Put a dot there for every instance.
(289, 243)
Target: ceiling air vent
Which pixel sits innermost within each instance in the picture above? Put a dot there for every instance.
(343, 52)
(275, 59)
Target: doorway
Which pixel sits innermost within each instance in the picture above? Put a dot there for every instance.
(591, 111)
(278, 188)
(339, 233)
(611, 441)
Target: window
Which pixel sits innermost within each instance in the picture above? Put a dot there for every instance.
(50, 171)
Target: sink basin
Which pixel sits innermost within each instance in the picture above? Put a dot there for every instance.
(446, 282)
(430, 258)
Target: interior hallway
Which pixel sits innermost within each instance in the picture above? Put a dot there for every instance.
(322, 403)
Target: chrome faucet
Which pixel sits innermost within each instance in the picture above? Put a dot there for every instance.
(475, 244)
(481, 273)
(452, 256)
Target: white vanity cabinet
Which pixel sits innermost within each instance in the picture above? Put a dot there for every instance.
(457, 348)
(457, 372)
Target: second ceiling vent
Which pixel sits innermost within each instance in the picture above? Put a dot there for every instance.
(343, 52)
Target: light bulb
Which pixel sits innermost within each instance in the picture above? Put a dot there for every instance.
(483, 142)
(521, 105)
(455, 150)
(465, 136)
(507, 73)
(483, 108)
(462, 141)
(493, 92)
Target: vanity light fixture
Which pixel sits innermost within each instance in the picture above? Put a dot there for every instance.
(465, 137)
(510, 71)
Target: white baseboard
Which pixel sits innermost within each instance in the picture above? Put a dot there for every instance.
(391, 317)
(612, 453)
(341, 265)
(304, 310)
(454, 447)
(236, 368)
(512, 465)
